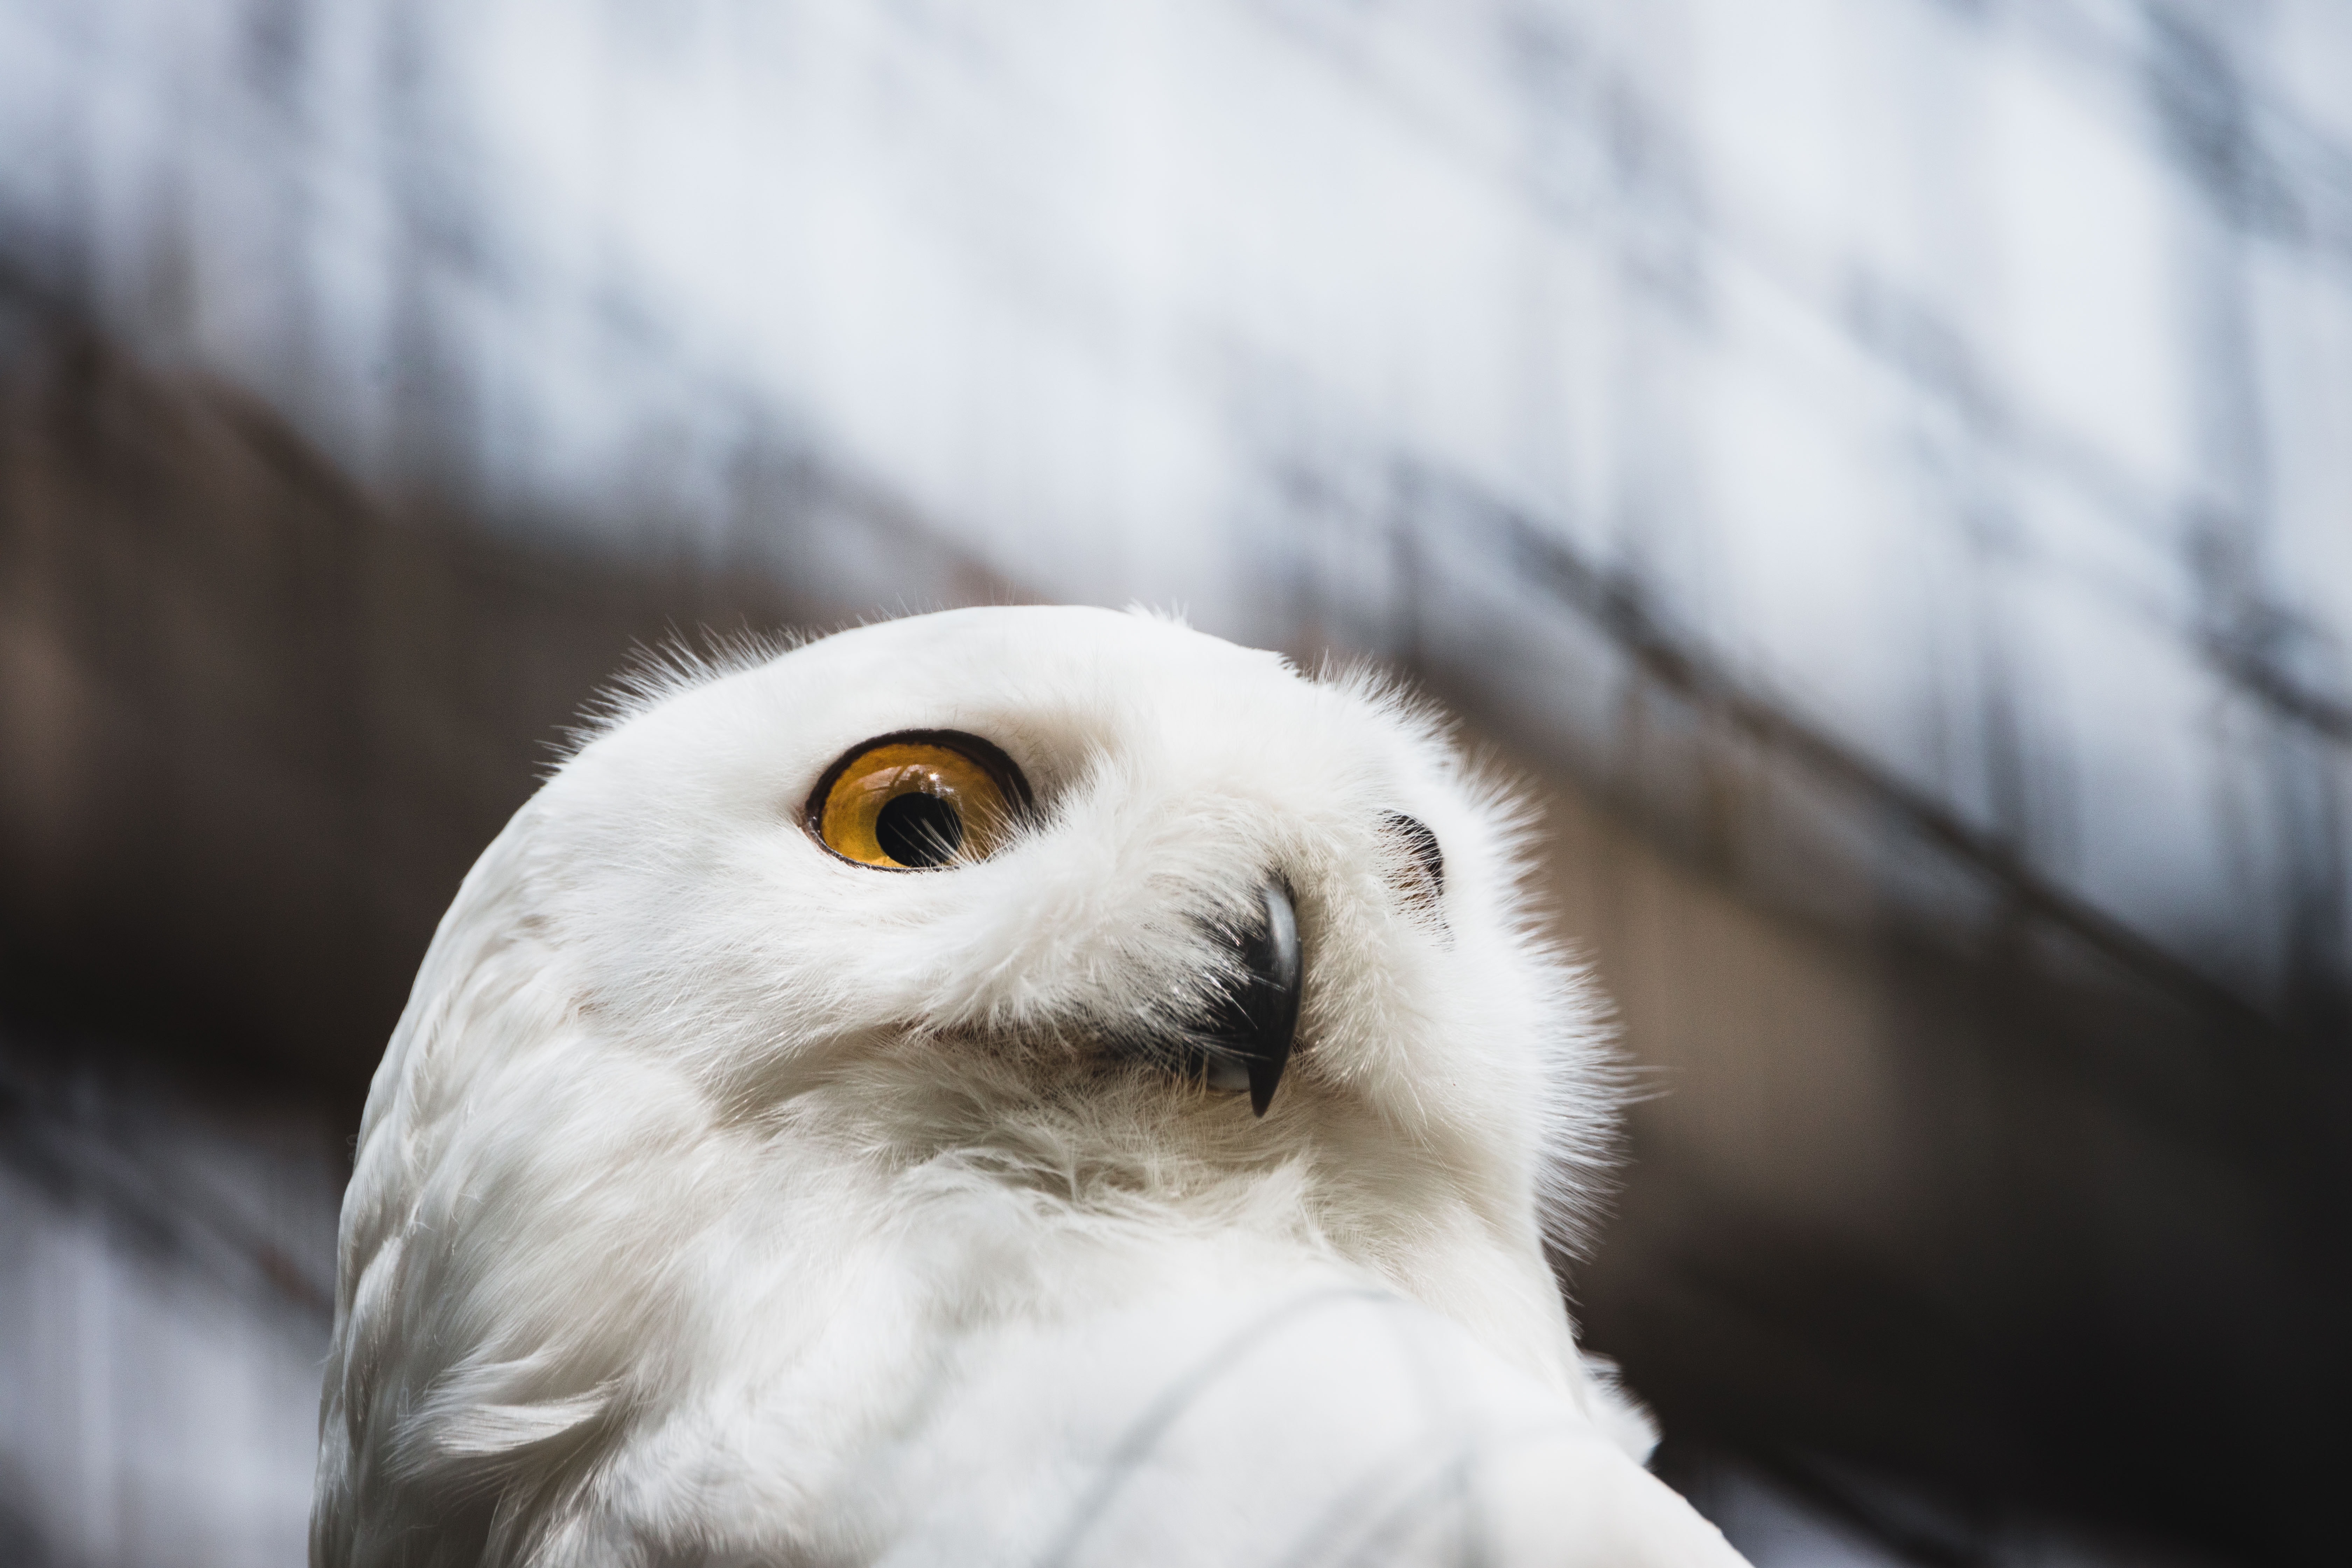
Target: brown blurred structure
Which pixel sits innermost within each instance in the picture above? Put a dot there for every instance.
(258, 728)
(1993, 1205)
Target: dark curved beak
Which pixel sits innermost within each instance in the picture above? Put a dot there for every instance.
(1251, 1029)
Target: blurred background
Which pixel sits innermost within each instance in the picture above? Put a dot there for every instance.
(1882, 470)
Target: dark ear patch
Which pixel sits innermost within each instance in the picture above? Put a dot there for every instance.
(1420, 878)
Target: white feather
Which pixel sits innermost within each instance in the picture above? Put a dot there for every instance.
(721, 1201)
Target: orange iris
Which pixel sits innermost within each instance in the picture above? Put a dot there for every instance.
(919, 802)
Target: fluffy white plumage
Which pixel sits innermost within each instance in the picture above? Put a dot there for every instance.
(721, 1201)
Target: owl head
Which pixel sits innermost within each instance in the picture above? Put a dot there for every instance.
(1040, 945)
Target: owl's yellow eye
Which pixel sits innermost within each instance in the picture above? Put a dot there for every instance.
(920, 800)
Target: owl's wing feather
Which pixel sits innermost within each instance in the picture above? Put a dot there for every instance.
(1333, 1426)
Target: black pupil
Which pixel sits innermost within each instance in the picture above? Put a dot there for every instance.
(918, 830)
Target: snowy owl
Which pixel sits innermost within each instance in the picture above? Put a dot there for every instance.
(1033, 1086)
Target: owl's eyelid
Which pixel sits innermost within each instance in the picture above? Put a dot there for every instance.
(1422, 842)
